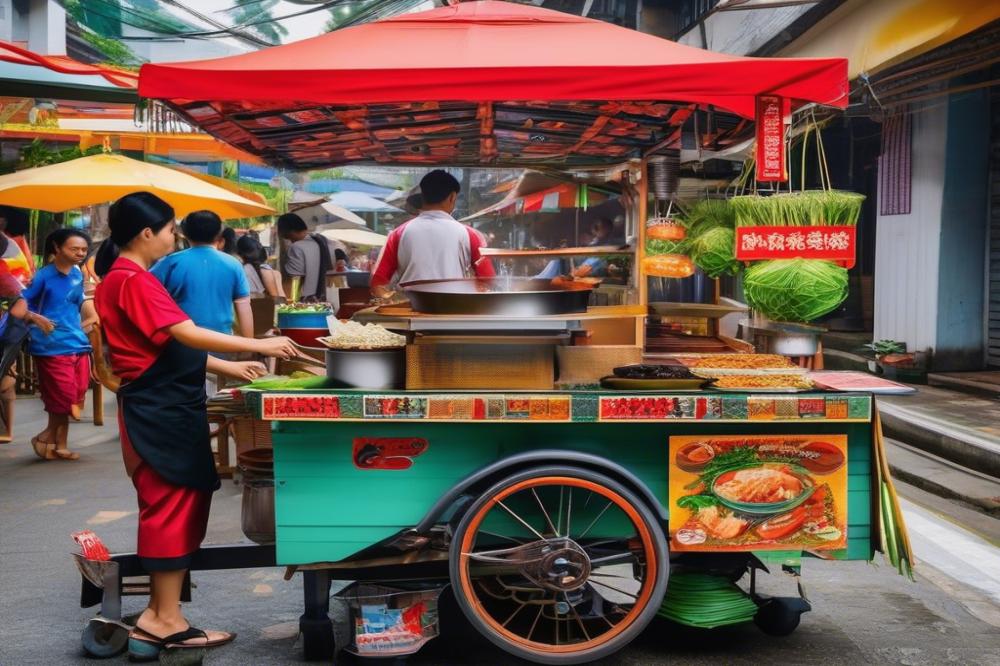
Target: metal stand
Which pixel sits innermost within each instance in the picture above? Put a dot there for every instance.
(315, 623)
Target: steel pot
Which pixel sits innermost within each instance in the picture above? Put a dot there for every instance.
(257, 513)
(367, 369)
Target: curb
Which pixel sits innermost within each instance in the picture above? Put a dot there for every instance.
(931, 486)
(950, 447)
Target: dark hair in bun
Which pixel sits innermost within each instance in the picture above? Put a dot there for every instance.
(127, 218)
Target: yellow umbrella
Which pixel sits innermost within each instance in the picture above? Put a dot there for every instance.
(356, 237)
(97, 179)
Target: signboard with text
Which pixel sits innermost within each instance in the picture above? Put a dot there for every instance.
(771, 157)
(833, 243)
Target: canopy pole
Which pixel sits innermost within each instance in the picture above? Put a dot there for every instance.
(640, 252)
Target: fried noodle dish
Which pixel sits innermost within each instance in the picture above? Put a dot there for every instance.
(743, 361)
(764, 382)
(761, 485)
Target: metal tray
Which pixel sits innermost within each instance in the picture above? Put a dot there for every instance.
(508, 297)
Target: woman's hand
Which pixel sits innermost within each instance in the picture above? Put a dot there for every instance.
(44, 323)
(246, 371)
(279, 347)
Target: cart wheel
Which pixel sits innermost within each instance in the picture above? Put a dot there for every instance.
(104, 638)
(559, 565)
(778, 616)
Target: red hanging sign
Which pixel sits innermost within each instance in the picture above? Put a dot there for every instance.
(833, 243)
(771, 159)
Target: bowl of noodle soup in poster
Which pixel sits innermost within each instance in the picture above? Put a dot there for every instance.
(767, 488)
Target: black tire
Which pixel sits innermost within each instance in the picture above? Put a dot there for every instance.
(777, 618)
(103, 639)
(648, 598)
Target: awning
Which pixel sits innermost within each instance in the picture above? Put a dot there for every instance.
(877, 35)
(535, 192)
(24, 73)
(475, 83)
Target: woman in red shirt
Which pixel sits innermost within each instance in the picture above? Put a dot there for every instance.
(161, 357)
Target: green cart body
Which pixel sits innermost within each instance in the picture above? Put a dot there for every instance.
(335, 505)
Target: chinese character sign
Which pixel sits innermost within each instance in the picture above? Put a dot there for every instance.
(833, 243)
(771, 139)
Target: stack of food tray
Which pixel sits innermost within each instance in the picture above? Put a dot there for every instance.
(770, 373)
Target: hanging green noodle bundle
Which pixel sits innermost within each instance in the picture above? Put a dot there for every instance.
(795, 290)
(711, 237)
(712, 252)
(655, 247)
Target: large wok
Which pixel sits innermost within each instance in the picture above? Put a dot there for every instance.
(509, 297)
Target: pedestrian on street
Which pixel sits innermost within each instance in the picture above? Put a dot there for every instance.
(14, 223)
(13, 332)
(160, 355)
(58, 343)
(310, 257)
(207, 283)
(263, 279)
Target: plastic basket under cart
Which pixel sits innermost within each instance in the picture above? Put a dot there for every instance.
(391, 621)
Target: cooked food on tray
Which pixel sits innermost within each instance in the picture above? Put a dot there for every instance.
(759, 485)
(301, 308)
(647, 371)
(775, 382)
(352, 335)
(740, 361)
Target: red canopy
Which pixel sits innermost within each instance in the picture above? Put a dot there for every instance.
(66, 65)
(460, 58)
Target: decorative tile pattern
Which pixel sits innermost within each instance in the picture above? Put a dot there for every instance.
(734, 408)
(837, 408)
(352, 406)
(300, 406)
(562, 407)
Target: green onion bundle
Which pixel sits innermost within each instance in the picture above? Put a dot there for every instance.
(795, 290)
(798, 209)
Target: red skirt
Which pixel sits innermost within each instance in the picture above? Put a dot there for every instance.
(172, 519)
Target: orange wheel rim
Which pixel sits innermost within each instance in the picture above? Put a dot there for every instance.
(642, 599)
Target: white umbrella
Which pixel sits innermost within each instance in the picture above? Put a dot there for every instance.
(343, 213)
(356, 237)
(359, 202)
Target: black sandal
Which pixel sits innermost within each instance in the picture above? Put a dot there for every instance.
(144, 646)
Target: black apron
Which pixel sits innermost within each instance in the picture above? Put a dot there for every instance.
(166, 420)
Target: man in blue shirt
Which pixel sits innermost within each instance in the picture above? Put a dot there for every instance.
(207, 283)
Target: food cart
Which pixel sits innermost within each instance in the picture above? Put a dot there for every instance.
(564, 519)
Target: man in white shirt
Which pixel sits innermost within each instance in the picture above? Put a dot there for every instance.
(433, 245)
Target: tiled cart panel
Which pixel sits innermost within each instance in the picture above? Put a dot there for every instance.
(328, 509)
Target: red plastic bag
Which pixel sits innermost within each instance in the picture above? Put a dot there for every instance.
(91, 546)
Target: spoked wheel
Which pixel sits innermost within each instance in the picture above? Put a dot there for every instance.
(559, 565)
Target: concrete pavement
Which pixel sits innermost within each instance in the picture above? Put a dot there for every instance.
(862, 613)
